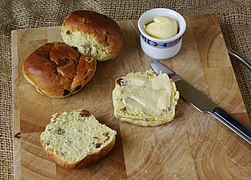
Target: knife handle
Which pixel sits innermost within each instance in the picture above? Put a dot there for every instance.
(232, 123)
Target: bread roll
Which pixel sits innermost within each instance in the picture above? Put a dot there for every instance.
(92, 34)
(145, 99)
(57, 70)
(76, 139)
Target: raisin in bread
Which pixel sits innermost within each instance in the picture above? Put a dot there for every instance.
(145, 99)
(76, 139)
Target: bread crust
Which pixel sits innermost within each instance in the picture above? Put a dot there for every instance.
(87, 161)
(57, 70)
(104, 31)
(144, 122)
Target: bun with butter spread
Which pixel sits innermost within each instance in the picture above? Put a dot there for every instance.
(145, 99)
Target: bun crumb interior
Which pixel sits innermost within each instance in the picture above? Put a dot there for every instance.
(76, 139)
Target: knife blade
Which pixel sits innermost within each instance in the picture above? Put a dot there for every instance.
(203, 103)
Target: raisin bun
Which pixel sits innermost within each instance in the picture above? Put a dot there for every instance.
(92, 34)
(76, 139)
(145, 99)
(57, 70)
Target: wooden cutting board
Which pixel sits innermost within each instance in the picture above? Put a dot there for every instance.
(193, 146)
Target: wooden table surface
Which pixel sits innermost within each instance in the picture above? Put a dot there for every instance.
(193, 146)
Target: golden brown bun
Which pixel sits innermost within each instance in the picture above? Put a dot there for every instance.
(57, 70)
(93, 34)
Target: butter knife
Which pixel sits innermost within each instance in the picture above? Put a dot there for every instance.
(203, 103)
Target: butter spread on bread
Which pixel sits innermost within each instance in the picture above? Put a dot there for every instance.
(75, 139)
(145, 99)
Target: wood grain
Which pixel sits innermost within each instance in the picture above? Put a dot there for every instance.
(193, 146)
